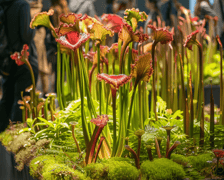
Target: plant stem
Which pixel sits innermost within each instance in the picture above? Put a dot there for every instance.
(98, 149)
(93, 142)
(59, 77)
(130, 110)
(221, 88)
(211, 120)
(134, 154)
(149, 151)
(63, 79)
(192, 109)
(139, 147)
(34, 88)
(113, 91)
(76, 142)
(84, 126)
(100, 85)
(154, 79)
(121, 65)
(157, 148)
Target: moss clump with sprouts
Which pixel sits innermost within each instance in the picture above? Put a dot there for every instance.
(37, 164)
(200, 161)
(20, 141)
(7, 136)
(61, 171)
(25, 155)
(97, 171)
(161, 168)
(112, 170)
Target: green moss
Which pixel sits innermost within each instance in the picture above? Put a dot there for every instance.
(161, 169)
(25, 155)
(192, 174)
(20, 141)
(128, 160)
(97, 171)
(200, 161)
(7, 136)
(112, 170)
(61, 171)
(180, 159)
(121, 170)
(37, 164)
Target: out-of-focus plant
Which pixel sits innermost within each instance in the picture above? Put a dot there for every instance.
(219, 153)
(20, 59)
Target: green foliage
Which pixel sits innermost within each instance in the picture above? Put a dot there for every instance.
(219, 136)
(200, 161)
(166, 118)
(161, 169)
(112, 170)
(192, 174)
(61, 171)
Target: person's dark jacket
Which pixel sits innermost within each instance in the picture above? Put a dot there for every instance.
(17, 29)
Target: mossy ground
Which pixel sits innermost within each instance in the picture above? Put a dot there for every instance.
(60, 164)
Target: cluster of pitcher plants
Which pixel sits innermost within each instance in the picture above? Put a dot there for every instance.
(120, 78)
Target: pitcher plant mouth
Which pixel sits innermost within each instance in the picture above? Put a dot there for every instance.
(73, 40)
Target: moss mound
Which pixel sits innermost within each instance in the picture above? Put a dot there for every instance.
(180, 159)
(37, 164)
(112, 170)
(121, 170)
(25, 155)
(8, 135)
(161, 169)
(199, 162)
(20, 141)
(97, 171)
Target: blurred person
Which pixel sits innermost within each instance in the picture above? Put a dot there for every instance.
(152, 16)
(202, 8)
(43, 65)
(177, 5)
(83, 7)
(169, 12)
(17, 21)
(109, 6)
(59, 7)
(119, 6)
(218, 7)
(39, 39)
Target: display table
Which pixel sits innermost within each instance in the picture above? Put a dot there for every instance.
(7, 167)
